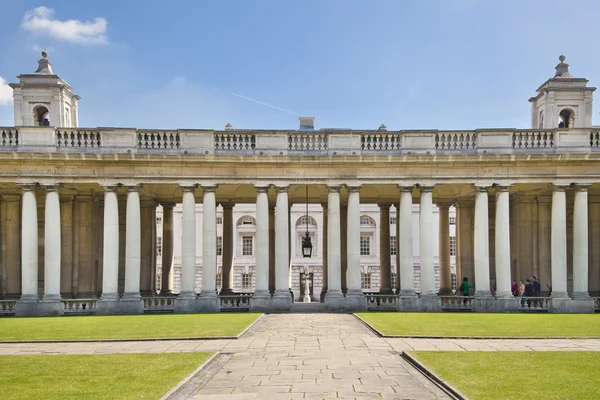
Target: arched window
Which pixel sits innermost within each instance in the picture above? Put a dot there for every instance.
(246, 220)
(566, 118)
(42, 116)
(306, 220)
(365, 220)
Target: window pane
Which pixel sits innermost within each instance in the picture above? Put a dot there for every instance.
(365, 245)
(365, 280)
(452, 245)
(246, 281)
(247, 245)
(219, 220)
(393, 246)
(219, 245)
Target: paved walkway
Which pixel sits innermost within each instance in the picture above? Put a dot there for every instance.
(311, 356)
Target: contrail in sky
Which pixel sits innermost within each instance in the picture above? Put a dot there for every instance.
(265, 104)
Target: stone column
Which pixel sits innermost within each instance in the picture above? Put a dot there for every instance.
(272, 256)
(52, 245)
(334, 298)
(29, 245)
(425, 242)
(208, 300)
(10, 239)
(261, 298)
(148, 248)
(385, 286)
(580, 243)
(67, 234)
(502, 243)
(444, 249)
(343, 246)
(354, 295)
(559, 243)
(227, 287)
(281, 298)
(166, 282)
(131, 301)
(481, 252)
(405, 243)
(110, 254)
(324, 254)
(187, 295)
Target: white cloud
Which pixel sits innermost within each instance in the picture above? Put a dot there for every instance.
(41, 20)
(6, 93)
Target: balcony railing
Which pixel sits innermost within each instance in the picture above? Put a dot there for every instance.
(283, 143)
(235, 302)
(533, 304)
(457, 303)
(158, 305)
(597, 304)
(7, 307)
(381, 302)
(79, 306)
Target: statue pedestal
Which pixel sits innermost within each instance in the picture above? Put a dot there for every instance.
(306, 298)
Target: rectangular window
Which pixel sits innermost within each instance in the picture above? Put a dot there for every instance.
(219, 280)
(452, 220)
(247, 245)
(158, 220)
(219, 220)
(246, 281)
(158, 246)
(394, 284)
(365, 245)
(393, 246)
(219, 245)
(365, 280)
(393, 220)
(452, 245)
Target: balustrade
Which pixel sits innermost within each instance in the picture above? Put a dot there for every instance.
(535, 304)
(234, 302)
(7, 307)
(381, 302)
(307, 141)
(10, 137)
(380, 141)
(597, 304)
(595, 140)
(159, 304)
(532, 139)
(78, 139)
(79, 306)
(456, 140)
(235, 141)
(159, 140)
(457, 303)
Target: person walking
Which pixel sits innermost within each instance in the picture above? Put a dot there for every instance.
(464, 286)
(514, 288)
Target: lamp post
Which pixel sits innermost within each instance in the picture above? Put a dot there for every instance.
(306, 242)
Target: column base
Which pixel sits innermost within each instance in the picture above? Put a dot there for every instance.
(226, 292)
(430, 303)
(408, 293)
(323, 294)
(335, 301)
(187, 296)
(131, 296)
(108, 306)
(131, 306)
(208, 303)
(355, 300)
(260, 301)
(574, 306)
(185, 305)
(42, 308)
(580, 295)
(281, 301)
(504, 295)
(410, 303)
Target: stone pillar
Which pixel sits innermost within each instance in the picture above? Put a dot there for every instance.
(227, 287)
(354, 296)
(67, 251)
(502, 243)
(405, 243)
(52, 245)
(343, 246)
(272, 256)
(29, 245)
(481, 252)
(324, 254)
(281, 298)
(444, 249)
(559, 243)
(131, 302)
(186, 301)
(385, 286)
(261, 298)
(208, 300)
(108, 303)
(464, 241)
(580, 243)
(425, 242)
(166, 282)
(333, 299)
(148, 246)
(10, 246)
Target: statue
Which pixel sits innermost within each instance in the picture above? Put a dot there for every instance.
(306, 298)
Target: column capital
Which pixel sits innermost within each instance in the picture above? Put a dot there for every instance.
(227, 205)
(262, 188)
(353, 188)
(282, 188)
(442, 205)
(28, 186)
(52, 187)
(333, 188)
(188, 187)
(425, 188)
(209, 188)
(559, 187)
(324, 205)
(134, 188)
(580, 187)
(405, 188)
(482, 188)
(167, 204)
(385, 204)
(111, 188)
(501, 187)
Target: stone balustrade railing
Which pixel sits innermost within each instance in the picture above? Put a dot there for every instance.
(381, 302)
(534, 304)
(234, 302)
(597, 304)
(282, 143)
(79, 306)
(7, 307)
(159, 304)
(457, 303)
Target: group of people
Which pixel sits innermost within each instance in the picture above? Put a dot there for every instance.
(529, 287)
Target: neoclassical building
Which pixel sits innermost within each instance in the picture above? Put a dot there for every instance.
(78, 211)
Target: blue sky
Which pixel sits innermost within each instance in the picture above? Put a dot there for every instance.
(452, 64)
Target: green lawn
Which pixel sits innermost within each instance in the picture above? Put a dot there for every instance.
(517, 375)
(125, 326)
(484, 325)
(91, 377)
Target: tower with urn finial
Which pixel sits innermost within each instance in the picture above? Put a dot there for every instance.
(42, 98)
(562, 101)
